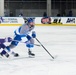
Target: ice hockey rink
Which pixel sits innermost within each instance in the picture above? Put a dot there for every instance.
(60, 41)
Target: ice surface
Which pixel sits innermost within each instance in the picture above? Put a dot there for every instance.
(60, 41)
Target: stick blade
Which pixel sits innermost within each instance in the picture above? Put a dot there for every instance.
(55, 57)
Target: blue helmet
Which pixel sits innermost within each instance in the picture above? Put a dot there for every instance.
(30, 20)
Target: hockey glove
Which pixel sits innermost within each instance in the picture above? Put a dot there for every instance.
(34, 34)
(8, 39)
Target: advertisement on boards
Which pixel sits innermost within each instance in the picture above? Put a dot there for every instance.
(11, 20)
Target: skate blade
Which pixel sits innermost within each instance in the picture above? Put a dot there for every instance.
(30, 56)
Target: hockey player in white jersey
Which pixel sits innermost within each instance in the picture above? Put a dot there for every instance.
(23, 31)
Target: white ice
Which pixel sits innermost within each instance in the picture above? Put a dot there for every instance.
(60, 41)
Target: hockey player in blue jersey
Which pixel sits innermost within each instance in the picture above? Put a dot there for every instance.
(24, 31)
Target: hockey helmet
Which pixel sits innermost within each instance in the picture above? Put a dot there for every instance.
(30, 20)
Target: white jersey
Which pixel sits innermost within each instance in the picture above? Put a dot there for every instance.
(24, 30)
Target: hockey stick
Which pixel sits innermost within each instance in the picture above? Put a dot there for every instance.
(25, 42)
(45, 48)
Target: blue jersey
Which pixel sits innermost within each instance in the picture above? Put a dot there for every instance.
(24, 30)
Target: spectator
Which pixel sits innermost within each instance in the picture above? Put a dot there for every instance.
(11, 14)
(70, 14)
(20, 15)
(44, 14)
(58, 15)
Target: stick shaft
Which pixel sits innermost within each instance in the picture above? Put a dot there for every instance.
(45, 48)
(24, 42)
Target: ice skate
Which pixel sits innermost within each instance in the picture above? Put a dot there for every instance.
(4, 53)
(30, 53)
